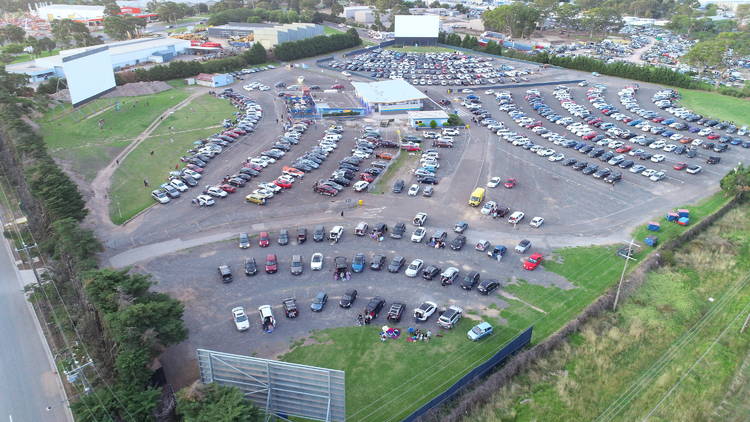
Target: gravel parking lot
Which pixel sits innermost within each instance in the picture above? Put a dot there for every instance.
(192, 277)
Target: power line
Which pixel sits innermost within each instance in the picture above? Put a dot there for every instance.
(65, 308)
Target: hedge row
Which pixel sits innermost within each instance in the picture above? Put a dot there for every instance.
(317, 45)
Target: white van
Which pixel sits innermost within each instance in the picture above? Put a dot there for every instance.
(335, 137)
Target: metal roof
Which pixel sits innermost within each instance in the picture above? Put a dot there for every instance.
(392, 91)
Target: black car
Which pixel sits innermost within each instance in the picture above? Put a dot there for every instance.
(374, 306)
(429, 180)
(613, 178)
(430, 272)
(692, 152)
(602, 173)
(580, 165)
(319, 234)
(458, 243)
(250, 267)
(626, 164)
(283, 237)
(301, 235)
(713, 160)
(396, 264)
(394, 314)
(470, 280)
(590, 169)
(488, 286)
(377, 262)
(398, 231)
(225, 273)
(347, 300)
(570, 162)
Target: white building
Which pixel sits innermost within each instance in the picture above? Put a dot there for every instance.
(728, 4)
(359, 14)
(122, 54)
(390, 95)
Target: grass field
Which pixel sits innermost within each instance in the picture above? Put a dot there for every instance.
(198, 120)
(28, 57)
(387, 381)
(672, 352)
(74, 137)
(327, 30)
(420, 49)
(717, 106)
(384, 182)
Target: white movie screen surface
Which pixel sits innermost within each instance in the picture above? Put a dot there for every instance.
(88, 74)
(408, 26)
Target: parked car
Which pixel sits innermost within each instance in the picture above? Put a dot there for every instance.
(413, 269)
(450, 317)
(424, 311)
(480, 331)
(296, 266)
(290, 307)
(319, 302)
(241, 321)
(348, 298)
(396, 263)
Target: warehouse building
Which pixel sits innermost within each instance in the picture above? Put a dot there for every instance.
(269, 35)
(389, 96)
(359, 14)
(417, 30)
(122, 54)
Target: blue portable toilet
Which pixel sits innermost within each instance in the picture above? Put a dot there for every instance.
(672, 216)
(651, 240)
(683, 221)
(654, 226)
(683, 213)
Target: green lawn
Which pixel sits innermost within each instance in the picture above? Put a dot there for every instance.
(198, 120)
(408, 375)
(717, 106)
(327, 30)
(421, 49)
(74, 137)
(28, 57)
(672, 352)
(384, 182)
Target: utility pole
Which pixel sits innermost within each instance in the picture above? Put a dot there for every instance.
(622, 276)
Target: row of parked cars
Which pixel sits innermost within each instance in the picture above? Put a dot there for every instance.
(204, 150)
(349, 169)
(432, 68)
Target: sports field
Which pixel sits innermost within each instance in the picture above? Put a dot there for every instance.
(717, 106)
(199, 119)
(673, 351)
(387, 381)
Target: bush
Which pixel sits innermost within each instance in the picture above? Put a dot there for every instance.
(13, 49)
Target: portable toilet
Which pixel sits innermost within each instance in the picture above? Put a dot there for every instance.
(651, 240)
(672, 216)
(683, 213)
(683, 221)
(653, 226)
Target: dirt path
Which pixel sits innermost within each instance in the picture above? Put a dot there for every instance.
(99, 203)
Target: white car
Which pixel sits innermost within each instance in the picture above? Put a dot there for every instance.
(658, 158)
(316, 261)
(488, 207)
(450, 132)
(345, 73)
(413, 190)
(263, 193)
(693, 169)
(536, 222)
(191, 173)
(557, 157)
(361, 185)
(413, 269)
(425, 310)
(418, 234)
(160, 196)
(670, 147)
(204, 200)
(241, 321)
(516, 217)
(494, 182)
(178, 184)
(248, 87)
(264, 88)
(657, 176)
(216, 191)
(260, 162)
(648, 172)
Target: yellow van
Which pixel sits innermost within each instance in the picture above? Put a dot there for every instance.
(476, 197)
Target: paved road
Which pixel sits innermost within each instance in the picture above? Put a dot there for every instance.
(28, 384)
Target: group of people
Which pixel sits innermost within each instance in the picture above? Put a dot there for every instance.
(418, 334)
(363, 319)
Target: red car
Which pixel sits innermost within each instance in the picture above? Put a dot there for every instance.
(282, 183)
(367, 177)
(657, 119)
(589, 136)
(713, 136)
(228, 188)
(195, 168)
(679, 166)
(509, 183)
(272, 264)
(337, 86)
(410, 147)
(256, 167)
(533, 261)
(231, 134)
(264, 239)
(624, 148)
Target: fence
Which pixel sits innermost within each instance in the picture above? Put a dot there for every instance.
(515, 345)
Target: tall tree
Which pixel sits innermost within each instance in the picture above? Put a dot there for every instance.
(215, 402)
(123, 27)
(567, 15)
(12, 33)
(170, 11)
(111, 9)
(706, 54)
(519, 19)
(67, 32)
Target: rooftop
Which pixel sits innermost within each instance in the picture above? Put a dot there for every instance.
(115, 48)
(392, 91)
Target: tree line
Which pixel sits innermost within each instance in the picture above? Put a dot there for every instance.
(317, 45)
